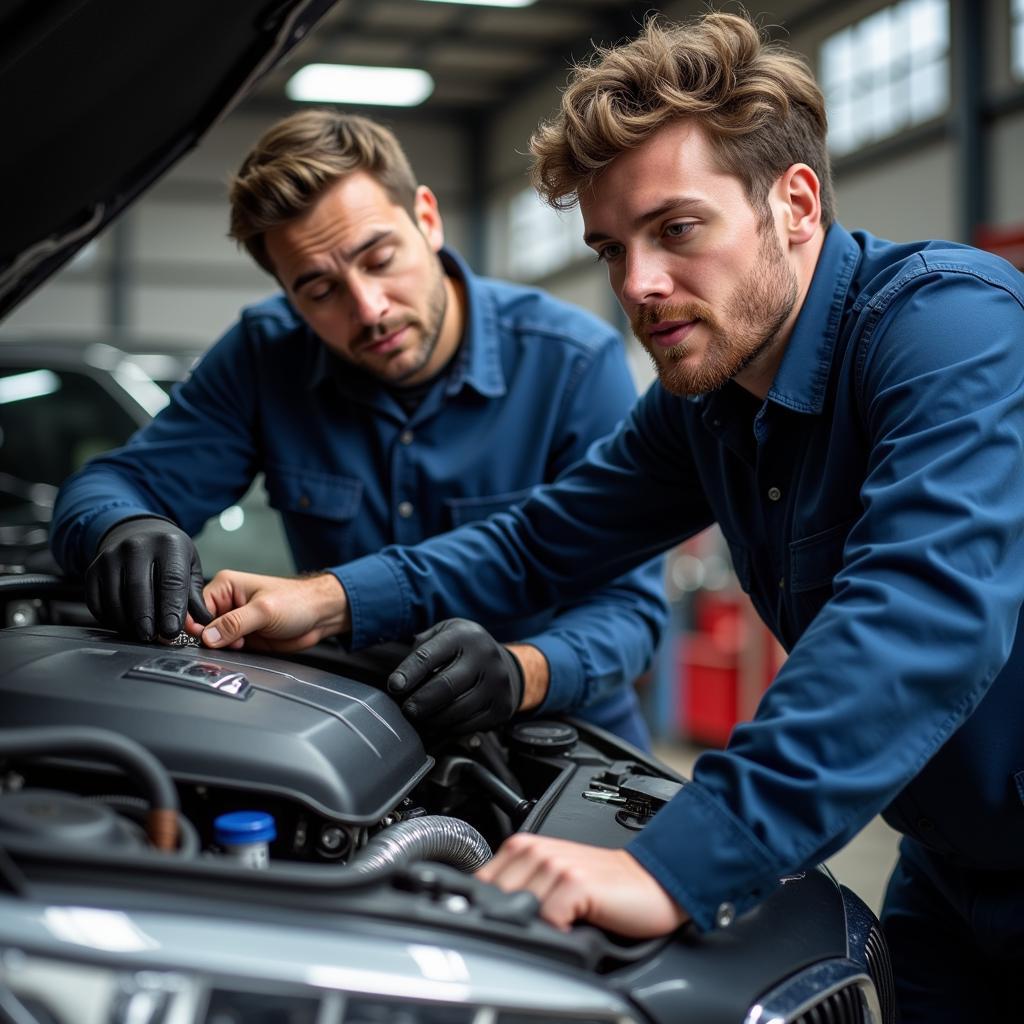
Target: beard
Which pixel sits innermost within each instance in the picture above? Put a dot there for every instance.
(749, 324)
(402, 365)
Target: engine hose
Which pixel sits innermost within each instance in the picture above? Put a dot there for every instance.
(112, 747)
(432, 837)
(36, 581)
(135, 808)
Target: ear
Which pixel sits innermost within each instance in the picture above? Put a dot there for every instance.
(797, 195)
(428, 217)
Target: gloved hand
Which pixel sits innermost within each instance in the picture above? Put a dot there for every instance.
(459, 679)
(145, 575)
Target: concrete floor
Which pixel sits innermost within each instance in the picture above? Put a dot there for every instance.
(863, 865)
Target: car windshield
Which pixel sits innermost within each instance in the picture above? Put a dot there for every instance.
(53, 420)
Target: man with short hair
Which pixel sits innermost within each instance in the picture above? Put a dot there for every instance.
(851, 413)
(387, 395)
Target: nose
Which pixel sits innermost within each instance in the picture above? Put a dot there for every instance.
(370, 303)
(644, 279)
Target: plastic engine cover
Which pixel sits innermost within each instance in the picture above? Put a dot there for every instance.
(230, 718)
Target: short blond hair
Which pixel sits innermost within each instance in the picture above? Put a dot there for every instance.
(297, 159)
(757, 103)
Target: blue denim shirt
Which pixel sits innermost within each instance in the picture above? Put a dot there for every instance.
(535, 382)
(874, 507)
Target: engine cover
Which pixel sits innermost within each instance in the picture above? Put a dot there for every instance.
(224, 718)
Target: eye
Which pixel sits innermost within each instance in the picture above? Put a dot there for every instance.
(380, 259)
(608, 253)
(321, 292)
(679, 228)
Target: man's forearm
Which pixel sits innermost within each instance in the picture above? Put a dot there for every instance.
(277, 613)
(330, 604)
(536, 675)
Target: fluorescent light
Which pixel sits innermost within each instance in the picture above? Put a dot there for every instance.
(487, 3)
(349, 83)
(33, 384)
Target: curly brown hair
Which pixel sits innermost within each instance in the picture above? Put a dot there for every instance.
(297, 159)
(756, 101)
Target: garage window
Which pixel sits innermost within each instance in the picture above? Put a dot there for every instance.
(542, 240)
(886, 73)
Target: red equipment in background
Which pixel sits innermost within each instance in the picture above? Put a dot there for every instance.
(726, 663)
(724, 655)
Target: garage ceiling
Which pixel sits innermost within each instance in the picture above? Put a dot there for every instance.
(479, 57)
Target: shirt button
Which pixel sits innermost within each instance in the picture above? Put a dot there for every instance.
(725, 915)
(405, 509)
(406, 437)
(774, 494)
(304, 501)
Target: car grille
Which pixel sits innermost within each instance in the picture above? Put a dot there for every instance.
(880, 969)
(844, 1006)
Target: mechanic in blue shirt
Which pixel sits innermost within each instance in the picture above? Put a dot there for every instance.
(387, 395)
(851, 413)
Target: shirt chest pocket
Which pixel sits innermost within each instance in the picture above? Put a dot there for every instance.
(813, 564)
(322, 495)
(470, 510)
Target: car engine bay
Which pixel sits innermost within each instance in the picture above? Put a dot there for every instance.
(331, 760)
(191, 796)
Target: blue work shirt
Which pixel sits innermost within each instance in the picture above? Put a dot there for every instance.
(874, 508)
(534, 383)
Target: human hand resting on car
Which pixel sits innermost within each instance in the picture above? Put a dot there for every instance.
(145, 575)
(272, 613)
(458, 679)
(575, 882)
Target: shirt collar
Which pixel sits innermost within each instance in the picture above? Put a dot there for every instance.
(802, 377)
(478, 361)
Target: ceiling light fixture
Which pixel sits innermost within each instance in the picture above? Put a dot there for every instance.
(350, 83)
(487, 3)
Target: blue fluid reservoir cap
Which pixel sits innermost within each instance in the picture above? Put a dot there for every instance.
(241, 827)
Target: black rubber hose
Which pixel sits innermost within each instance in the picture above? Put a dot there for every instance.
(39, 582)
(135, 808)
(462, 769)
(101, 745)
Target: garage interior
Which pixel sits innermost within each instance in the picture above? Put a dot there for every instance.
(927, 108)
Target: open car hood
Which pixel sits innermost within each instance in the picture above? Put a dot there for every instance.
(101, 98)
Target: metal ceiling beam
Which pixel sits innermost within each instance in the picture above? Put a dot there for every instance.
(273, 107)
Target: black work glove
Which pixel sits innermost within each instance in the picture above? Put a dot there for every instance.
(458, 679)
(145, 574)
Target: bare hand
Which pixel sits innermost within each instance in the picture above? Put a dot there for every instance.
(272, 613)
(574, 882)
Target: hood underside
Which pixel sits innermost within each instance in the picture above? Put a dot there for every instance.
(101, 98)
